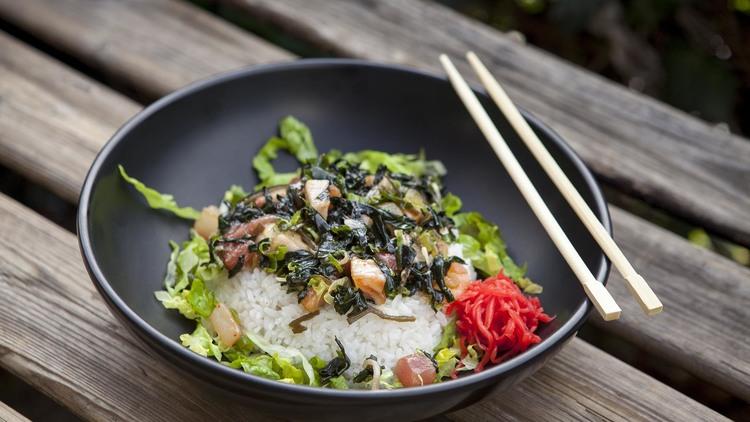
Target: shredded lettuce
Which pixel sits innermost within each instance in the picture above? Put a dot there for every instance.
(158, 200)
(317, 362)
(410, 164)
(171, 276)
(388, 380)
(178, 302)
(449, 336)
(259, 364)
(187, 262)
(483, 246)
(485, 260)
(287, 370)
(190, 261)
(234, 194)
(446, 358)
(446, 351)
(451, 204)
(295, 139)
(201, 342)
(471, 360)
(293, 355)
(338, 383)
(201, 299)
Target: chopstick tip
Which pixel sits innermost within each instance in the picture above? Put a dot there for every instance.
(654, 311)
(646, 297)
(611, 316)
(602, 300)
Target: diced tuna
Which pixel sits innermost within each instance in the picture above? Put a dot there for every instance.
(388, 259)
(230, 253)
(415, 370)
(251, 228)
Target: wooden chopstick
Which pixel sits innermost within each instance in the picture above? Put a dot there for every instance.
(600, 297)
(638, 287)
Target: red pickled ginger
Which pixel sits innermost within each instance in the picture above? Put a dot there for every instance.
(497, 318)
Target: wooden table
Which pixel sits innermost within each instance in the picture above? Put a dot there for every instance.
(72, 71)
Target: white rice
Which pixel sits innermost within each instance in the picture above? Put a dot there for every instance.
(265, 308)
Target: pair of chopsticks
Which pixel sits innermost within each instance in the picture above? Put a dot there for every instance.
(596, 292)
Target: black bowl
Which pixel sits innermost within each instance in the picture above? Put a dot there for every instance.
(199, 140)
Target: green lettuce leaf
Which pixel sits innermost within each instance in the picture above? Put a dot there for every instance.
(299, 137)
(410, 164)
(259, 364)
(338, 383)
(287, 370)
(449, 336)
(296, 140)
(189, 261)
(471, 360)
(483, 259)
(178, 302)
(201, 342)
(171, 276)
(293, 355)
(158, 200)
(446, 351)
(317, 362)
(484, 247)
(446, 358)
(388, 380)
(234, 194)
(201, 299)
(451, 204)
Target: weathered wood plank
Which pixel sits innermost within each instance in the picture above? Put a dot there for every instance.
(154, 45)
(7, 414)
(59, 336)
(704, 325)
(632, 141)
(53, 121)
(667, 261)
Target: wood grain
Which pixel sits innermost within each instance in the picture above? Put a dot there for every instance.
(709, 343)
(703, 327)
(640, 145)
(53, 121)
(7, 414)
(59, 337)
(151, 46)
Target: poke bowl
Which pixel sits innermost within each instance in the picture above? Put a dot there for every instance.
(334, 237)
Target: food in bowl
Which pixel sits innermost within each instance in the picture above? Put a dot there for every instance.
(357, 270)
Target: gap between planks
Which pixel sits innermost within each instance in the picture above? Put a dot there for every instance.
(8, 414)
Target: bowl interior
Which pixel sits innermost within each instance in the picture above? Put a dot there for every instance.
(196, 143)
